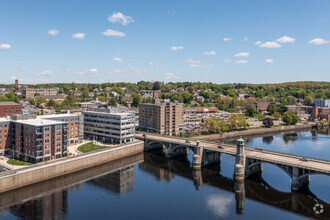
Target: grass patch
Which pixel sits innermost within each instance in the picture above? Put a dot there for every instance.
(89, 147)
(18, 162)
(69, 154)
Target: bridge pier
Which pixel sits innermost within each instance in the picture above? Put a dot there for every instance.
(239, 171)
(300, 178)
(197, 158)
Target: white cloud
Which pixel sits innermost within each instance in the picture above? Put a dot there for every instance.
(200, 66)
(242, 54)
(226, 39)
(171, 76)
(270, 60)
(113, 33)
(241, 61)
(257, 42)
(269, 44)
(46, 73)
(53, 32)
(118, 17)
(78, 73)
(118, 59)
(151, 64)
(245, 39)
(220, 205)
(193, 61)
(210, 53)
(79, 36)
(176, 48)
(318, 41)
(226, 60)
(286, 39)
(12, 78)
(5, 46)
(93, 70)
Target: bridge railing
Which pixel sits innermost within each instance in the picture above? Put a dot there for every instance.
(292, 155)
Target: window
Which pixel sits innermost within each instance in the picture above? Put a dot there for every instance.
(47, 152)
(46, 146)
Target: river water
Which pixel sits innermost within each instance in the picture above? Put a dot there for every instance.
(150, 186)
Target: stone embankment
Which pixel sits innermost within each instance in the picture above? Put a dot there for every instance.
(14, 179)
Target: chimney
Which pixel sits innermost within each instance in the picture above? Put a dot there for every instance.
(16, 84)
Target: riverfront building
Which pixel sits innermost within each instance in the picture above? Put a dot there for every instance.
(109, 125)
(161, 118)
(9, 108)
(39, 138)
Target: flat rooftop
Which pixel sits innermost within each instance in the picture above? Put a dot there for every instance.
(58, 115)
(39, 122)
(8, 103)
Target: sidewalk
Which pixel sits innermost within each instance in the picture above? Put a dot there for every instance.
(3, 163)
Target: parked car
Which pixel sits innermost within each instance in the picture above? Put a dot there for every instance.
(304, 159)
(187, 141)
(220, 147)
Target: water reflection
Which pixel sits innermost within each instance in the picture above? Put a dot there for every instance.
(53, 199)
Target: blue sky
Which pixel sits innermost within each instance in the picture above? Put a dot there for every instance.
(213, 41)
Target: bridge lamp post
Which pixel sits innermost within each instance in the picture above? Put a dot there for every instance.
(239, 173)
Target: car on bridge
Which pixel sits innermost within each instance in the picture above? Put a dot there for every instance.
(304, 159)
(220, 147)
(187, 141)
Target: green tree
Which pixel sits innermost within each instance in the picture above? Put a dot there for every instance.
(42, 112)
(290, 118)
(272, 108)
(308, 100)
(113, 101)
(210, 126)
(58, 109)
(187, 97)
(136, 100)
(51, 103)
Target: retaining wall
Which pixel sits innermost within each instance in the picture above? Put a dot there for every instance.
(37, 173)
(261, 131)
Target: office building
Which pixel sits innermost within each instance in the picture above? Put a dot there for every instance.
(109, 125)
(161, 118)
(9, 108)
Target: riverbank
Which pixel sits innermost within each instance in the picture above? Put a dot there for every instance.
(258, 132)
(13, 179)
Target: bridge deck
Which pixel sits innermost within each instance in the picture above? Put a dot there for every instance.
(266, 156)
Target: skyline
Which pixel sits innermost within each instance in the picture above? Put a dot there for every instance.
(220, 42)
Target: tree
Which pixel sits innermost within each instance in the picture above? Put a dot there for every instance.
(250, 108)
(290, 118)
(51, 103)
(268, 122)
(147, 100)
(58, 109)
(136, 100)
(113, 101)
(210, 125)
(272, 108)
(291, 100)
(308, 100)
(42, 112)
(276, 115)
(156, 86)
(187, 97)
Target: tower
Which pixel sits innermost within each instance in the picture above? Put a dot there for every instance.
(239, 173)
(16, 84)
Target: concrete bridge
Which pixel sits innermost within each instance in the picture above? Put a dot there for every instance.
(247, 161)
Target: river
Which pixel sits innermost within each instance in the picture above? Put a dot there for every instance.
(150, 186)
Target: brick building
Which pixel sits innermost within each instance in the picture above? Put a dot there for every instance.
(161, 118)
(9, 108)
(39, 138)
(193, 111)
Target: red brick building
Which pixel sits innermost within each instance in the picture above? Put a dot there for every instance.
(9, 108)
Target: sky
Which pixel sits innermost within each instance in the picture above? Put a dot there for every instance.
(219, 41)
